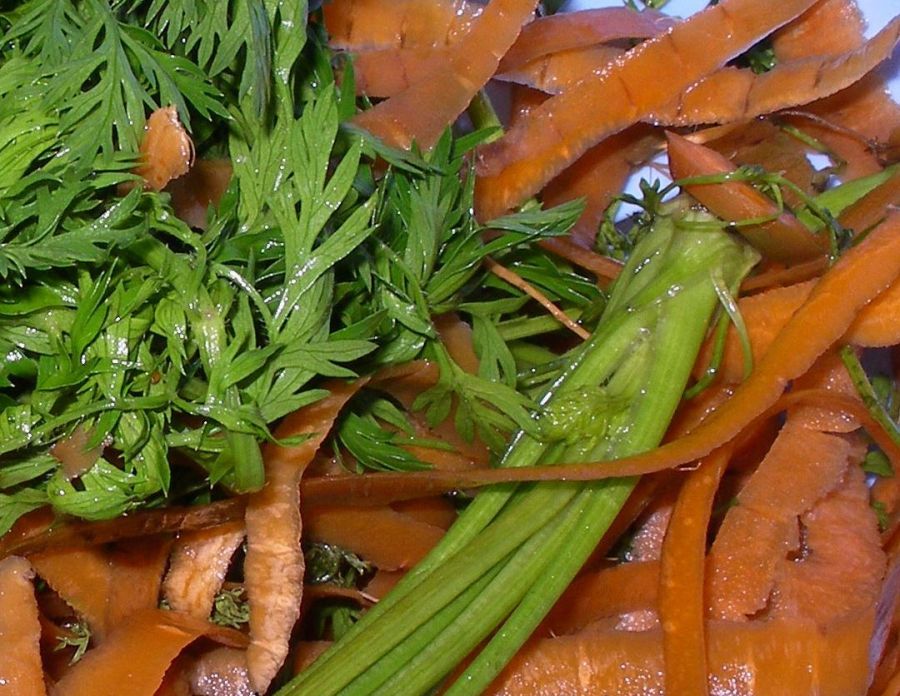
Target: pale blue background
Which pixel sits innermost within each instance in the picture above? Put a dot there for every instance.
(877, 13)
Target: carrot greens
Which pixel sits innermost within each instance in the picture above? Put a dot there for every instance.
(167, 343)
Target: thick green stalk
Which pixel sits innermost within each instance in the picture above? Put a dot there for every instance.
(677, 339)
(532, 539)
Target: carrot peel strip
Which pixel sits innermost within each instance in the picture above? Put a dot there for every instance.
(135, 658)
(783, 237)
(273, 569)
(682, 564)
(517, 166)
(20, 658)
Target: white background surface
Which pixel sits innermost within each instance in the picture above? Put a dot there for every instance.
(877, 14)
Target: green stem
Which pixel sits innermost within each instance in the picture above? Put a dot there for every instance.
(532, 539)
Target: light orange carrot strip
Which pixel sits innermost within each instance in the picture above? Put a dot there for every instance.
(367, 24)
(783, 238)
(829, 28)
(771, 657)
(385, 71)
(650, 75)
(736, 94)
(21, 673)
(198, 565)
(135, 658)
(554, 73)
(447, 90)
(570, 30)
(841, 549)
(681, 578)
(273, 568)
(166, 149)
(762, 527)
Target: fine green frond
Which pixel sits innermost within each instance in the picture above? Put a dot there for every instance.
(101, 75)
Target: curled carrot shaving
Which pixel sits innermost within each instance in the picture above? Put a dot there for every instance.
(273, 568)
(841, 549)
(21, 673)
(829, 28)
(166, 149)
(401, 120)
(571, 30)
(198, 565)
(762, 526)
(649, 76)
(389, 69)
